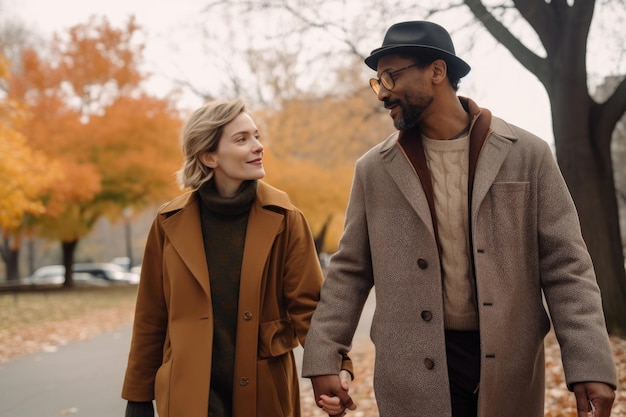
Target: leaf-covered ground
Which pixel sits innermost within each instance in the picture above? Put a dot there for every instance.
(35, 322)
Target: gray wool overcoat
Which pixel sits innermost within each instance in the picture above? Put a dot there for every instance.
(526, 241)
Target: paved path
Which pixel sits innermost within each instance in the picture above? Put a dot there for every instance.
(84, 378)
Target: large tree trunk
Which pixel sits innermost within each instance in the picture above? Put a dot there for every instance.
(585, 160)
(582, 130)
(69, 248)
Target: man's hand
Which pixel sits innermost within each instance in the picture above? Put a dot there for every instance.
(594, 399)
(331, 393)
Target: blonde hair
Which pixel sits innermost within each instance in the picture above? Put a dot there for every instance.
(201, 134)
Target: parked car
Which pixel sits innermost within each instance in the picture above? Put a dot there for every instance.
(123, 261)
(111, 272)
(55, 275)
(84, 274)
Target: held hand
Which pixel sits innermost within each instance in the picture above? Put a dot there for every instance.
(331, 393)
(594, 399)
(345, 378)
(332, 404)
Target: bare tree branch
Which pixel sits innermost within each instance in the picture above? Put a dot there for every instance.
(525, 56)
(612, 110)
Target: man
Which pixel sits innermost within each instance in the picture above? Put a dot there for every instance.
(462, 222)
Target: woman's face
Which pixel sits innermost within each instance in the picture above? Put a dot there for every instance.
(239, 156)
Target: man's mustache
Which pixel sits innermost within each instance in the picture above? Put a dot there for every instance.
(391, 103)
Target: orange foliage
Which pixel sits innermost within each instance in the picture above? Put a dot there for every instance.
(55, 129)
(77, 183)
(116, 145)
(97, 57)
(139, 150)
(97, 64)
(311, 148)
(320, 193)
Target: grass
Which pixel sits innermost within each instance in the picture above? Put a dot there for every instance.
(37, 307)
(39, 320)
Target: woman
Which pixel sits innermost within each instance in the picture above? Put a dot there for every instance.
(229, 282)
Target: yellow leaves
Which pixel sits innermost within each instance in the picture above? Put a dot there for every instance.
(22, 169)
(24, 179)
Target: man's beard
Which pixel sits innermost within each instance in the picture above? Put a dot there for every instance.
(411, 112)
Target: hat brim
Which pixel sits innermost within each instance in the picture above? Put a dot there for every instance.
(452, 60)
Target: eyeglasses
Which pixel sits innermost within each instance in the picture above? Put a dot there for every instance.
(386, 79)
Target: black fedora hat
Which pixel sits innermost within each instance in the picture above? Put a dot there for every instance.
(413, 37)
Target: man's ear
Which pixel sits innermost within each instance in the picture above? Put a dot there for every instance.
(208, 159)
(440, 69)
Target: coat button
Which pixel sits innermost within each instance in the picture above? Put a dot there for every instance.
(243, 381)
(427, 315)
(422, 263)
(247, 315)
(428, 363)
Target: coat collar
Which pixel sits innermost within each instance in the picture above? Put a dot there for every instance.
(181, 225)
(266, 196)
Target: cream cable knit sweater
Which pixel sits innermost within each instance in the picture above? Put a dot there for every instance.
(448, 163)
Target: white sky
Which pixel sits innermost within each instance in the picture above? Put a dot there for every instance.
(497, 81)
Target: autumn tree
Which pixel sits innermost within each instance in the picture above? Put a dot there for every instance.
(117, 144)
(26, 175)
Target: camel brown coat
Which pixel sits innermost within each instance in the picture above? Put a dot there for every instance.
(526, 242)
(170, 354)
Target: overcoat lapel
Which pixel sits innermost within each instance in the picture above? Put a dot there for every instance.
(491, 159)
(184, 231)
(407, 180)
(263, 226)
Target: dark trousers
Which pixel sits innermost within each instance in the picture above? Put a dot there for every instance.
(463, 354)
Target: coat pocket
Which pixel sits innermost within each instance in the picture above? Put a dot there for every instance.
(276, 388)
(276, 338)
